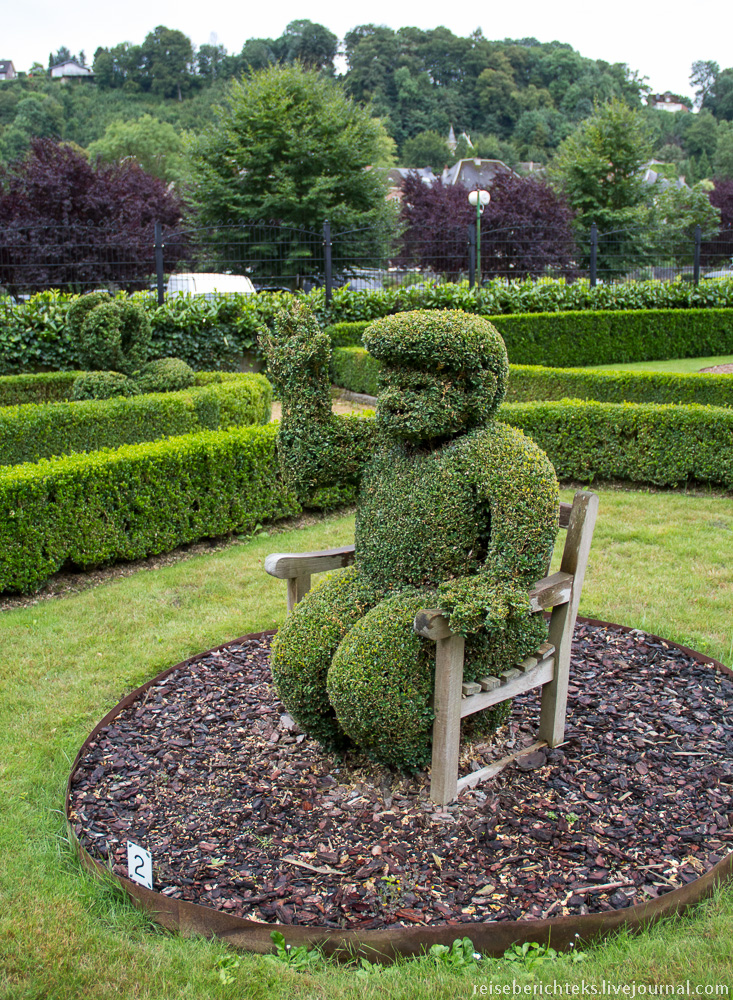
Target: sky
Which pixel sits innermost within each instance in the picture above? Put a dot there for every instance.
(660, 41)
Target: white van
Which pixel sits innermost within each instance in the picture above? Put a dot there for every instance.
(209, 284)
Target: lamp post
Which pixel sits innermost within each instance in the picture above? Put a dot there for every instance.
(480, 199)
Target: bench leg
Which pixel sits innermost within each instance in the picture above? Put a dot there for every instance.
(298, 587)
(555, 693)
(447, 725)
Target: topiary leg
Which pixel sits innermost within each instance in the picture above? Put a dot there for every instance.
(304, 646)
(381, 681)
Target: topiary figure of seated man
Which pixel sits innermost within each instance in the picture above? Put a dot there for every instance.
(455, 510)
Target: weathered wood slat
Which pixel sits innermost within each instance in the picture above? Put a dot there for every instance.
(551, 591)
(476, 777)
(542, 674)
(287, 565)
(431, 624)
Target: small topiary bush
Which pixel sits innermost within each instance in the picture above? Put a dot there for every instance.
(103, 385)
(114, 334)
(165, 375)
(452, 509)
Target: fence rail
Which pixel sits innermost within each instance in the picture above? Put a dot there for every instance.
(80, 258)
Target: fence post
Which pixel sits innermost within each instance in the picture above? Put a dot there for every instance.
(471, 254)
(698, 241)
(593, 255)
(327, 260)
(159, 272)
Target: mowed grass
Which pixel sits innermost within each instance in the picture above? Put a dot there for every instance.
(660, 561)
(684, 365)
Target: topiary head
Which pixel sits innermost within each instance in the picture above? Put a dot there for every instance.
(443, 372)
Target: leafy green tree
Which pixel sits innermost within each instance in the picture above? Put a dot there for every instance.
(167, 56)
(702, 78)
(599, 165)
(426, 149)
(720, 98)
(723, 159)
(289, 146)
(310, 44)
(155, 145)
(702, 135)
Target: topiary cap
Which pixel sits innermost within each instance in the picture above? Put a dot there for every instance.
(437, 340)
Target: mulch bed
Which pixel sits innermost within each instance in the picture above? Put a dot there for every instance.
(244, 813)
(719, 369)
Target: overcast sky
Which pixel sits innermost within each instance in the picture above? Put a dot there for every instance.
(660, 41)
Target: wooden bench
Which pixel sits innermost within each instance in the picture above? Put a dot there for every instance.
(453, 700)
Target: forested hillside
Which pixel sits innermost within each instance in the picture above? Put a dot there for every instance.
(516, 100)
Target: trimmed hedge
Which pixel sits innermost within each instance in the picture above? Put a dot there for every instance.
(532, 382)
(214, 333)
(642, 443)
(31, 432)
(88, 510)
(573, 339)
(50, 387)
(355, 369)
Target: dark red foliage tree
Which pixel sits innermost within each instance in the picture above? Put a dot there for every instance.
(525, 230)
(66, 223)
(720, 250)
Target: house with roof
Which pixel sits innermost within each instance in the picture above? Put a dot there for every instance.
(7, 70)
(666, 102)
(70, 69)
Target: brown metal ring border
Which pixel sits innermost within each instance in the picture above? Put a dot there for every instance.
(489, 937)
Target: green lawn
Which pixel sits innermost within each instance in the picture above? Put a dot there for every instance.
(660, 561)
(684, 365)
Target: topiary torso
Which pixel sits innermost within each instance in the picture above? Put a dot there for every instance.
(455, 510)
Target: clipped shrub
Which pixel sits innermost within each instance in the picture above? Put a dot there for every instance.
(89, 510)
(165, 375)
(666, 445)
(347, 334)
(355, 369)
(103, 385)
(115, 335)
(80, 306)
(46, 388)
(532, 382)
(31, 432)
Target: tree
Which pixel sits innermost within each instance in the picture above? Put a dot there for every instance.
(719, 250)
(426, 149)
(720, 98)
(67, 223)
(154, 145)
(723, 159)
(702, 78)
(526, 230)
(310, 44)
(167, 56)
(289, 147)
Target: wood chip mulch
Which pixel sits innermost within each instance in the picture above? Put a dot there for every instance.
(244, 813)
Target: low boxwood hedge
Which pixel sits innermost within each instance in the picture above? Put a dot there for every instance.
(88, 510)
(533, 382)
(355, 369)
(597, 337)
(44, 387)
(30, 432)
(663, 444)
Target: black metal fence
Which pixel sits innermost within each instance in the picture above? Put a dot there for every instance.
(79, 258)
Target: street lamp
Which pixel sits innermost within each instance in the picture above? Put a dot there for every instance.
(480, 199)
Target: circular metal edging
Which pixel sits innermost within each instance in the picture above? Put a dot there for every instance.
(491, 938)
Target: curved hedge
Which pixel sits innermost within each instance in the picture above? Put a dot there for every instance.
(87, 510)
(31, 432)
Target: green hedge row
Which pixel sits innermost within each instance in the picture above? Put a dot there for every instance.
(215, 333)
(532, 382)
(355, 369)
(140, 500)
(666, 445)
(30, 432)
(574, 339)
(55, 387)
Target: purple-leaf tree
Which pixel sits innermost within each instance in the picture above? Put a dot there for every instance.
(525, 230)
(719, 251)
(66, 223)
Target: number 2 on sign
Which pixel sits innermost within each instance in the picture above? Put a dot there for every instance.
(140, 865)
